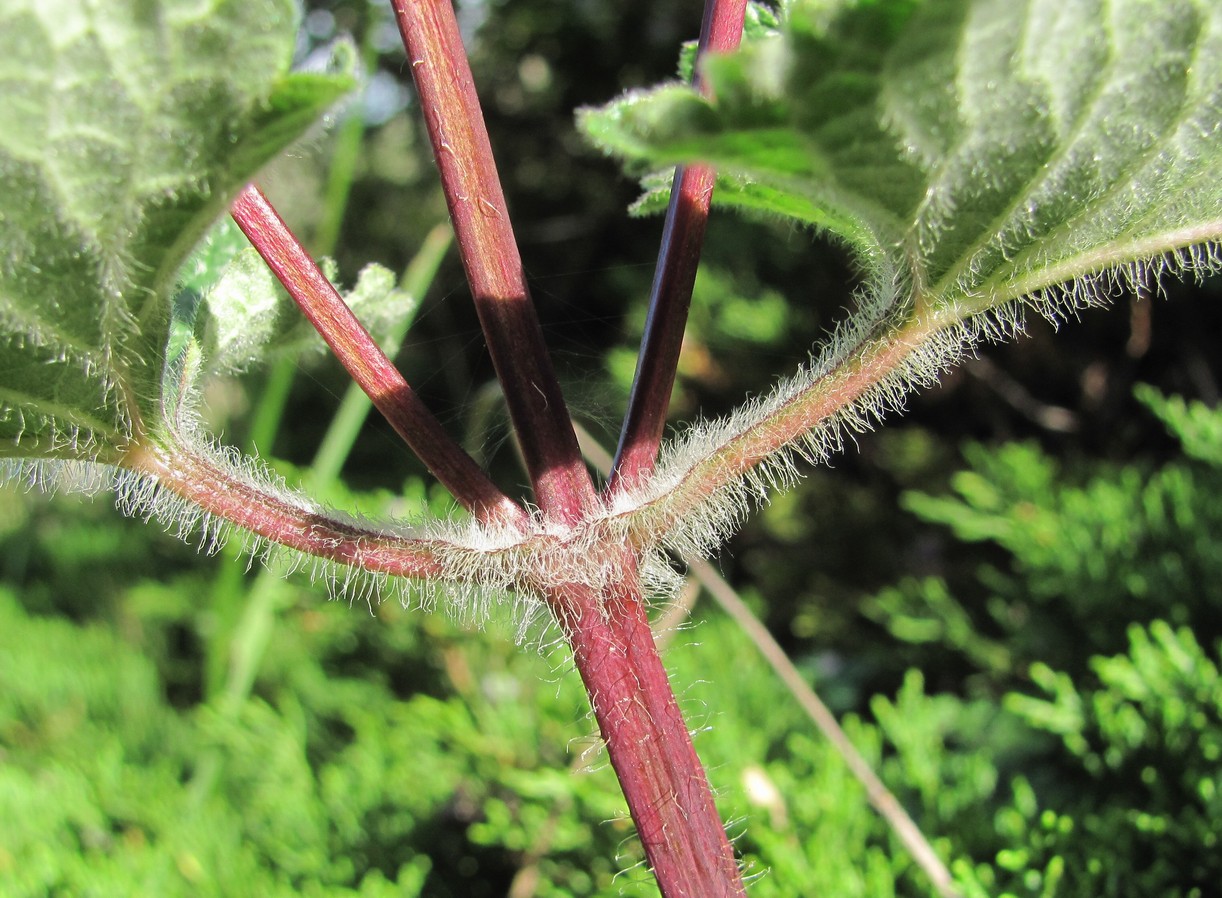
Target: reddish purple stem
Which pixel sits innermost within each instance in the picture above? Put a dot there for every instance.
(280, 519)
(671, 294)
(647, 740)
(607, 626)
(367, 364)
(562, 484)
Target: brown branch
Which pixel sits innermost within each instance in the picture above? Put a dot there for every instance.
(876, 791)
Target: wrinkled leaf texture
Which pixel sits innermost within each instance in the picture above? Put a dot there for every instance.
(971, 152)
(974, 151)
(126, 128)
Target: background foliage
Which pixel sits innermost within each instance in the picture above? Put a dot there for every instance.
(1022, 634)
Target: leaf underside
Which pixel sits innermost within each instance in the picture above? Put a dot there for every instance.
(972, 153)
(975, 151)
(125, 129)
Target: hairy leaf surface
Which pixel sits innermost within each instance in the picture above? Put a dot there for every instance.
(232, 305)
(978, 150)
(126, 127)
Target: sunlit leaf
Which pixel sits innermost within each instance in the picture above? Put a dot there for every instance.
(126, 127)
(982, 150)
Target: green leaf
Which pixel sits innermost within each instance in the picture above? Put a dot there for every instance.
(976, 150)
(127, 126)
(759, 21)
(246, 317)
(231, 304)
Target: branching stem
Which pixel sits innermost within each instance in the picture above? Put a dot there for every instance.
(869, 366)
(648, 742)
(368, 365)
(203, 484)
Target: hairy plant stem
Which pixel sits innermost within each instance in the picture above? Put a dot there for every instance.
(884, 801)
(650, 748)
(368, 365)
(237, 651)
(864, 369)
(563, 488)
(224, 497)
(691, 194)
(337, 442)
(647, 740)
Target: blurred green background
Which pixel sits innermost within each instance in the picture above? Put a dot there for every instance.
(1012, 595)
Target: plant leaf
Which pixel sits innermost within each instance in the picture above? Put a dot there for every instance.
(984, 150)
(1196, 425)
(126, 127)
(247, 317)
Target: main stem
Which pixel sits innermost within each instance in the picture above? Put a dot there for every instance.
(651, 750)
(647, 740)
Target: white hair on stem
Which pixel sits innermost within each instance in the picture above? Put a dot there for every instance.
(705, 485)
(701, 492)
